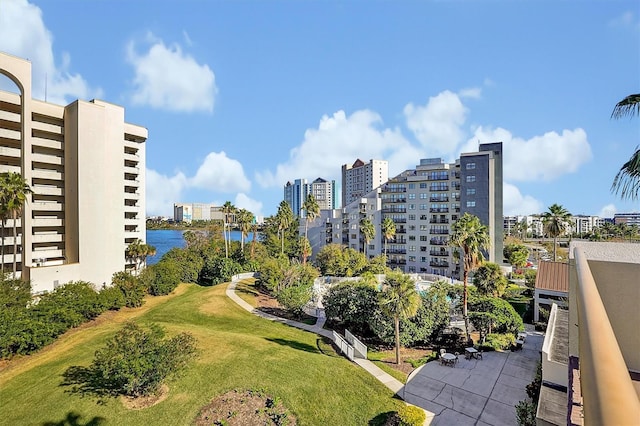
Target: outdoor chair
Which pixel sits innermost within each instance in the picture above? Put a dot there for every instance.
(457, 354)
(479, 354)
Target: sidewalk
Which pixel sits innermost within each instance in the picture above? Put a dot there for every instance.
(389, 381)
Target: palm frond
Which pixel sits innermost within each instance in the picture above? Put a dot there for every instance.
(629, 106)
(627, 180)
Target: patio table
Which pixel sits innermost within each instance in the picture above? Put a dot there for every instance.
(470, 353)
(449, 358)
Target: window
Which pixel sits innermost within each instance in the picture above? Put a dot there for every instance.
(412, 196)
(471, 203)
(412, 227)
(423, 238)
(471, 191)
(412, 237)
(424, 196)
(412, 217)
(412, 248)
(412, 186)
(423, 206)
(471, 166)
(412, 258)
(471, 178)
(423, 185)
(423, 227)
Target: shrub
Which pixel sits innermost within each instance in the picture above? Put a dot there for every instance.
(294, 298)
(131, 287)
(526, 413)
(134, 362)
(162, 278)
(410, 415)
(495, 342)
(351, 303)
(189, 263)
(78, 298)
(112, 298)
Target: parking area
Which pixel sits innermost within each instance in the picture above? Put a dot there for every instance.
(475, 391)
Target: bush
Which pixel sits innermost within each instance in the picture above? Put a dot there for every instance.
(498, 342)
(162, 278)
(80, 301)
(135, 362)
(351, 304)
(294, 298)
(131, 287)
(526, 413)
(410, 415)
(112, 298)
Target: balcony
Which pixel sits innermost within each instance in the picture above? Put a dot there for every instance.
(397, 251)
(401, 231)
(439, 210)
(439, 188)
(438, 199)
(439, 231)
(399, 220)
(439, 253)
(439, 221)
(436, 264)
(397, 261)
(393, 190)
(438, 242)
(394, 200)
(393, 210)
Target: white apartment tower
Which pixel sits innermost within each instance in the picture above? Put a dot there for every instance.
(360, 178)
(85, 166)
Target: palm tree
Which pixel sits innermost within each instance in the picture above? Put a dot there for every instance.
(472, 238)
(228, 209)
(312, 211)
(399, 300)
(627, 180)
(284, 219)
(245, 220)
(388, 228)
(305, 248)
(368, 232)
(555, 222)
(15, 191)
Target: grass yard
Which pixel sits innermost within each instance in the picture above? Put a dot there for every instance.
(237, 351)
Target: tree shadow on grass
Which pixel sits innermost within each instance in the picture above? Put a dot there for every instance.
(384, 419)
(294, 344)
(85, 381)
(73, 419)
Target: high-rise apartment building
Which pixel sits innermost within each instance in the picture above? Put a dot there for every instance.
(324, 191)
(188, 212)
(85, 166)
(423, 203)
(360, 178)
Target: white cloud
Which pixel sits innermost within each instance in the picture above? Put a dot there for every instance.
(541, 158)
(438, 124)
(340, 139)
(162, 191)
(514, 203)
(472, 93)
(221, 174)
(608, 211)
(167, 78)
(628, 19)
(243, 201)
(23, 33)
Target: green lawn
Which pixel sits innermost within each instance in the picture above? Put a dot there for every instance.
(237, 351)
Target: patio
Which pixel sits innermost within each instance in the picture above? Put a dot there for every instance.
(475, 392)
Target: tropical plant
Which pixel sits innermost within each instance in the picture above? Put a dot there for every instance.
(368, 232)
(284, 219)
(489, 280)
(471, 237)
(312, 211)
(227, 209)
(388, 228)
(245, 221)
(305, 248)
(138, 252)
(627, 180)
(399, 300)
(555, 222)
(14, 191)
(516, 254)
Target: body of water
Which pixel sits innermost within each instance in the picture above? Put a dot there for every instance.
(166, 239)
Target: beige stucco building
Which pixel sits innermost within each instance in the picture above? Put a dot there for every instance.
(86, 167)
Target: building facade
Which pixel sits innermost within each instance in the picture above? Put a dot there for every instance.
(324, 191)
(423, 203)
(86, 168)
(360, 178)
(627, 218)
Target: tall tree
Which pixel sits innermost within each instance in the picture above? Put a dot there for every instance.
(556, 223)
(471, 237)
(399, 300)
(14, 194)
(284, 219)
(245, 220)
(228, 209)
(627, 180)
(388, 228)
(368, 232)
(138, 252)
(312, 211)
(489, 280)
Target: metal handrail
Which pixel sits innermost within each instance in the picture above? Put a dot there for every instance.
(609, 397)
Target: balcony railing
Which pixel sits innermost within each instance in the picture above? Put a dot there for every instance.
(439, 221)
(438, 242)
(439, 253)
(438, 199)
(439, 231)
(439, 210)
(393, 210)
(609, 397)
(439, 264)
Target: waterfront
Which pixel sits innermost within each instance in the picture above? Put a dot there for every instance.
(166, 239)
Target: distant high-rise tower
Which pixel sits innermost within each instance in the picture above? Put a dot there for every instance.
(296, 193)
(360, 178)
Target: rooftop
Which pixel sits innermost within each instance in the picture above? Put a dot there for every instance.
(553, 276)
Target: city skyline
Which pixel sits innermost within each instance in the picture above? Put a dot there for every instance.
(241, 97)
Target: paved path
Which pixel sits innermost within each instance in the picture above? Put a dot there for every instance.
(476, 392)
(386, 379)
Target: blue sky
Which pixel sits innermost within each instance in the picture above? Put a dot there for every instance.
(241, 96)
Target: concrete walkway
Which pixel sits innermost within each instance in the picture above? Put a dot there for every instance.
(386, 379)
(476, 392)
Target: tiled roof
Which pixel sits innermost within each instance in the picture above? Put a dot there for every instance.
(553, 276)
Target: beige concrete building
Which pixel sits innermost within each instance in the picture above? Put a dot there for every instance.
(360, 178)
(591, 354)
(86, 167)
